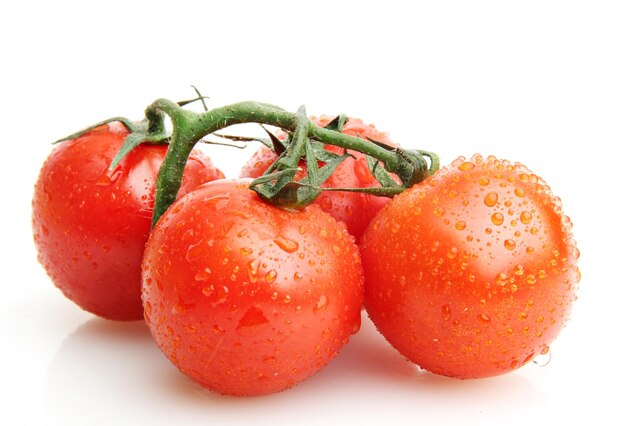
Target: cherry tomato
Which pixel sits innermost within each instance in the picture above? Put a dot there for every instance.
(246, 298)
(354, 209)
(473, 272)
(91, 225)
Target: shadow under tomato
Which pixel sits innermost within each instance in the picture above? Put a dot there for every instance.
(114, 371)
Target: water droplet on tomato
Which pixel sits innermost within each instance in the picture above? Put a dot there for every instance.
(460, 225)
(325, 202)
(509, 244)
(531, 279)
(270, 277)
(452, 252)
(217, 294)
(108, 177)
(445, 312)
(194, 251)
(519, 192)
(356, 325)
(466, 166)
(246, 251)
(297, 276)
(218, 329)
(491, 199)
(484, 317)
(525, 217)
(203, 274)
(439, 211)
(518, 270)
(321, 304)
(497, 219)
(483, 181)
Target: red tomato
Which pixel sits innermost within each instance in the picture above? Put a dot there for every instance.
(354, 209)
(91, 225)
(473, 272)
(246, 298)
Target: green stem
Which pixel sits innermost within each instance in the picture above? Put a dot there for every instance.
(189, 128)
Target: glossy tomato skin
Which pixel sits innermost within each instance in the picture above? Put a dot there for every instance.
(90, 224)
(473, 272)
(245, 298)
(354, 209)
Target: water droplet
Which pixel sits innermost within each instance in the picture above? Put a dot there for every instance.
(246, 251)
(270, 277)
(466, 166)
(218, 329)
(509, 244)
(325, 202)
(483, 181)
(519, 192)
(321, 304)
(147, 311)
(286, 244)
(439, 211)
(525, 217)
(529, 250)
(216, 294)
(252, 317)
(452, 252)
(253, 269)
(484, 317)
(287, 299)
(108, 177)
(497, 219)
(534, 230)
(194, 251)
(297, 276)
(491, 199)
(460, 225)
(445, 312)
(203, 274)
(356, 326)
(531, 279)
(518, 270)
(336, 249)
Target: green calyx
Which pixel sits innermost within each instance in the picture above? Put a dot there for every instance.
(283, 183)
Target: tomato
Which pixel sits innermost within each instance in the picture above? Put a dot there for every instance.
(473, 272)
(91, 225)
(246, 298)
(354, 209)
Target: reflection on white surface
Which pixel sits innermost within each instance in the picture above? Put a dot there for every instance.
(113, 373)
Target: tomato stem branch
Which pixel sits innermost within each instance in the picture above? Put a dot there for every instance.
(189, 128)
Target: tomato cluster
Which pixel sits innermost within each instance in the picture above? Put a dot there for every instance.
(469, 274)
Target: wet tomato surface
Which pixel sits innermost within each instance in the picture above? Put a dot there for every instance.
(246, 298)
(473, 272)
(91, 224)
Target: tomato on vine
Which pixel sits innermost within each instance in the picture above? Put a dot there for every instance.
(91, 224)
(247, 298)
(473, 272)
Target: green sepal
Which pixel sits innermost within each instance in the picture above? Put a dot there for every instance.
(131, 126)
(380, 174)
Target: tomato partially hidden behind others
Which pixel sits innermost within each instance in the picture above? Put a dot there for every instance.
(354, 209)
(91, 225)
(471, 273)
(246, 298)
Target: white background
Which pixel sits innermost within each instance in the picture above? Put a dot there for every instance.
(540, 82)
